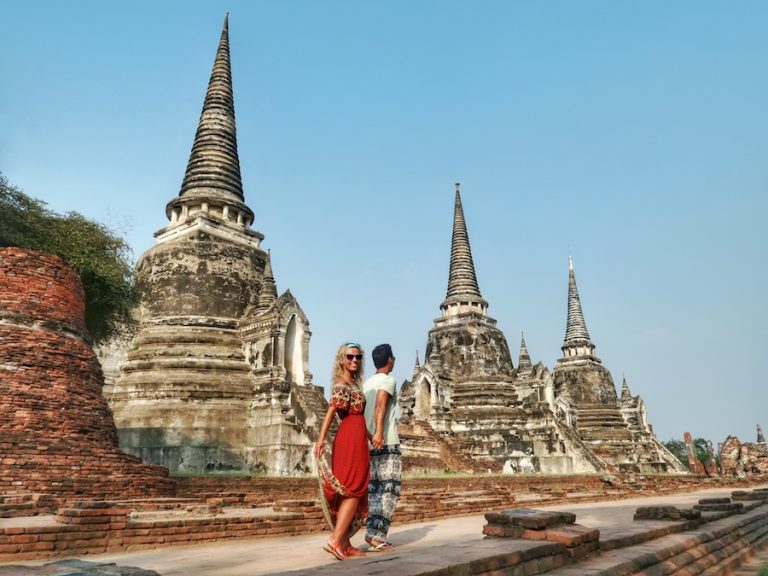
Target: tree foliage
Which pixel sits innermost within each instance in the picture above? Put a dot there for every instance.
(98, 255)
(678, 449)
(702, 452)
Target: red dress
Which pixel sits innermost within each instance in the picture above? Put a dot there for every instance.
(350, 468)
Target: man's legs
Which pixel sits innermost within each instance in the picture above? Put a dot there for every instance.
(383, 491)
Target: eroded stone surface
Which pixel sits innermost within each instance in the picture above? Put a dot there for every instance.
(75, 568)
(467, 407)
(217, 377)
(743, 460)
(665, 513)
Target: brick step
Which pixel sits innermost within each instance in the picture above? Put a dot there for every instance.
(747, 563)
(17, 510)
(725, 567)
(680, 553)
(15, 498)
(612, 437)
(704, 556)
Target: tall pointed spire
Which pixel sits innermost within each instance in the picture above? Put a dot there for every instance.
(625, 393)
(577, 342)
(212, 182)
(268, 292)
(214, 165)
(524, 365)
(463, 292)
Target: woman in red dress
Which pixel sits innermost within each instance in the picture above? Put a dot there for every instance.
(345, 485)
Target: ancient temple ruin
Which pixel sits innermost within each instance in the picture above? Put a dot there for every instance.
(744, 459)
(616, 430)
(57, 436)
(217, 376)
(467, 406)
(464, 408)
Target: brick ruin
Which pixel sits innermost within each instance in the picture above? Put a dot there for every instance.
(468, 408)
(56, 431)
(216, 377)
(744, 460)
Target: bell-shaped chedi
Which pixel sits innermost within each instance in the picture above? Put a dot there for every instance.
(579, 373)
(57, 434)
(466, 375)
(465, 342)
(616, 430)
(463, 409)
(217, 376)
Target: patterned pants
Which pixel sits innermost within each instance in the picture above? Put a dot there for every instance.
(383, 490)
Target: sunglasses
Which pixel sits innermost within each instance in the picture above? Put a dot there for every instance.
(354, 356)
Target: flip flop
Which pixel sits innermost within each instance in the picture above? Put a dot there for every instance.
(380, 547)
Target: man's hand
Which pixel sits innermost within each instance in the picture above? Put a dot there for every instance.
(378, 440)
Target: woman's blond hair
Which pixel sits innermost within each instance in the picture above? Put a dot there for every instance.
(338, 365)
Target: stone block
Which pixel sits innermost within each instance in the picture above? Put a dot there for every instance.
(530, 518)
(715, 501)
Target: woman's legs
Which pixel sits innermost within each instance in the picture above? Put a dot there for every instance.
(344, 517)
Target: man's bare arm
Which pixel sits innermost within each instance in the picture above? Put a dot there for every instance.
(382, 398)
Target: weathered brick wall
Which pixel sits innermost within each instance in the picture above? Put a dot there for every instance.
(415, 490)
(57, 434)
(743, 460)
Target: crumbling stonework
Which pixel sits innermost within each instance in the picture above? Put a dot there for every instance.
(217, 376)
(694, 464)
(743, 460)
(56, 430)
(469, 401)
(615, 429)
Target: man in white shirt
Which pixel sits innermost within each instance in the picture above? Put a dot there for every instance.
(386, 466)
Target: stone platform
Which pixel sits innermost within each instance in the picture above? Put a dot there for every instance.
(217, 509)
(457, 546)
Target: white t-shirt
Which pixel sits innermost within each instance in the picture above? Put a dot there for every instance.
(381, 381)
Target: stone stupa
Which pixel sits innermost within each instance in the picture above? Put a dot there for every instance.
(217, 376)
(463, 408)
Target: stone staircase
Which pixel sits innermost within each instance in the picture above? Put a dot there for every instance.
(312, 398)
(431, 450)
(725, 535)
(712, 549)
(188, 357)
(20, 505)
(602, 423)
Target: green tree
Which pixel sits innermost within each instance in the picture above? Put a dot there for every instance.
(98, 255)
(702, 452)
(678, 449)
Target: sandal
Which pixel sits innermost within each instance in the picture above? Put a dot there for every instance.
(333, 547)
(381, 546)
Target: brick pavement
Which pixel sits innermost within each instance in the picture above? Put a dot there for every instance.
(448, 546)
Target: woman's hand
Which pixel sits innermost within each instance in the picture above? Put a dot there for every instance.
(319, 448)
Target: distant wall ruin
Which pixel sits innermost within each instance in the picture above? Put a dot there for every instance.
(743, 460)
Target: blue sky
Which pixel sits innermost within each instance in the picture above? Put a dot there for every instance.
(631, 135)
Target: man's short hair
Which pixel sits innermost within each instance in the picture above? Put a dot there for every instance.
(381, 355)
